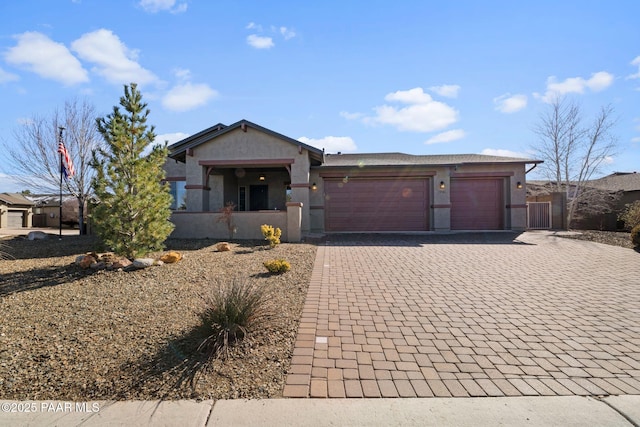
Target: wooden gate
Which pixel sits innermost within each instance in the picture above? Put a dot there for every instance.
(539, 215)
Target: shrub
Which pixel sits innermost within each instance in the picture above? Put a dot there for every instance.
(630, 215)
(635, 235)
(227, 217)
(277, 266)
(232, 309)
(271, 235)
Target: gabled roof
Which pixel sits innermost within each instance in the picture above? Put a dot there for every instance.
(15, 199)
(178, 150)
(401, 159)
(625, 181)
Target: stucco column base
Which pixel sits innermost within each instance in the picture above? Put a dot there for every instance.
(294, 221)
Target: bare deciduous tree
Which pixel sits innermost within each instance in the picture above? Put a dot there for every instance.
(34, 158)
(573, 152)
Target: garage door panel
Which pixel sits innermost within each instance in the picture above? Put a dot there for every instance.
(15, 219)
(477, 204)
(376, 205)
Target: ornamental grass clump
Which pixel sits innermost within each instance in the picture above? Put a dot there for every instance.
(232, 310)
(272, 235)
(277, 266)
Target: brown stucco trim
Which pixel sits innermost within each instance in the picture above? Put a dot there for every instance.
(299, 204)
(380, 174)
(441, 206)
(516, 206)
(481, 174)
(316, 207)
(247, 162)
(175, 178)
(197, 187)
(307, 185)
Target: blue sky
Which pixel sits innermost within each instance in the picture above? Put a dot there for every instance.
(419, 77)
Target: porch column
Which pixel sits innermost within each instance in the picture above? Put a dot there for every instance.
(294, 221)
(300, 193)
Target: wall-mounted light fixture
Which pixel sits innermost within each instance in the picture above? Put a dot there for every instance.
(442, 186)
(314, 187)
(519, 185)
(262, 177)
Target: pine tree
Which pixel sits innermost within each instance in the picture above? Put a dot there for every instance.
(133, 204)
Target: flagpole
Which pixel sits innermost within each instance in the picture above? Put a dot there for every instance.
(60, 213)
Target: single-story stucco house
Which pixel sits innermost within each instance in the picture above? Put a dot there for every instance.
(274, 179)
(15, 210)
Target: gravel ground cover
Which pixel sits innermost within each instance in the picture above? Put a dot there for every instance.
(73, 334)
(619, 238)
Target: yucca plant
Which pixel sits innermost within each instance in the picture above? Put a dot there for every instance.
(232, 310)
(3, 254)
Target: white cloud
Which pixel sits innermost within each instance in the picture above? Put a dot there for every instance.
(508, 103)
(187, 96)
(504, 153)
(331, 144)
(48, 59)
(596, 83)
(287, 33)
(182, 74)
(351, 116)
(608, 160)
(635, 62)
(423, 114)
(154, 6)
(259, 42)
(6, 77)
(170, 138)
(636, 139)
(448, 91)
(114, 61)
(253, 26)
(448, 136)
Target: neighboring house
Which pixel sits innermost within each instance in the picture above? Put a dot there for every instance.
(47, 210)
(15, 210)
(612, 192)
(627, 183)
(273, 179)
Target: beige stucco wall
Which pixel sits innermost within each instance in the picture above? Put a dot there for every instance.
(201, 225)
(174, 169)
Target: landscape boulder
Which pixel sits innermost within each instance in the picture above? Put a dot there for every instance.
(171, 257)
(143, 262)
(37, 235)
(223, 247)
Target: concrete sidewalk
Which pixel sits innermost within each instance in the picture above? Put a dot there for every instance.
(506, 411)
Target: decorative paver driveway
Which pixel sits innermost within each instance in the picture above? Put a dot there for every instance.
(469, 315)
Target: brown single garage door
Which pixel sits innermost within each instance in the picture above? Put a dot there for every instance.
(15, 219)
(477, 204)
(376, 205)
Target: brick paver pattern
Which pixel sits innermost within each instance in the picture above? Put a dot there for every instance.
(407, 317)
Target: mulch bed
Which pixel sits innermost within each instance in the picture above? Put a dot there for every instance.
(74, 334)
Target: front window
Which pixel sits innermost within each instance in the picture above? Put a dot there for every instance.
(179, 194)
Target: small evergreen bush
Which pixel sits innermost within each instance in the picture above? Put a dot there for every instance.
(277, 266)
(232, 309)
(272, 235)
(635, 236)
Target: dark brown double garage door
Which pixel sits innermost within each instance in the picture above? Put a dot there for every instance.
(392, 204)
(395, 204)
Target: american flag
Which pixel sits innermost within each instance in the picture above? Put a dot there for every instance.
(67, 164)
